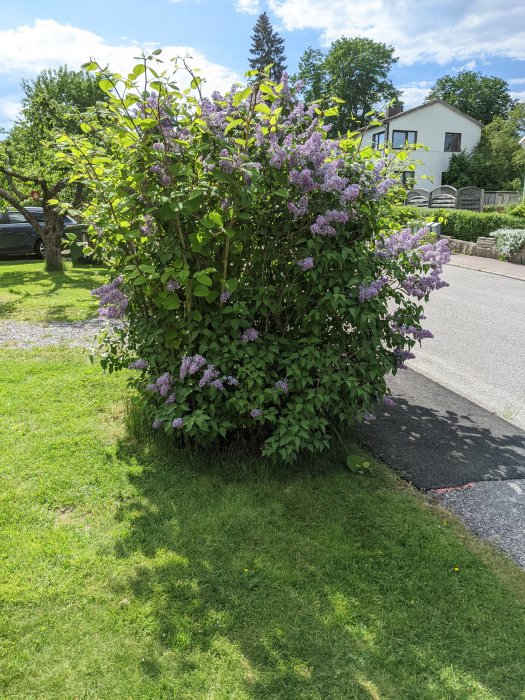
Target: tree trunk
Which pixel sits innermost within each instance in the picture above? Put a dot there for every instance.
(53, 239)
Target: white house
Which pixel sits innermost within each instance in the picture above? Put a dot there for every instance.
(439, 126)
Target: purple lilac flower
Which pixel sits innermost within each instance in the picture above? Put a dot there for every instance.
(255, 413)
(372, 290)
(171, 399)
(277, 156)
(249, 335)
(165, 180)
(225, 295)
(368, 418)
(184, 366)
(341, 217)
(217, 383)
(282, 384)
(152, 387)
(210, 373)
(178, 423)
(388, 401)
(300, 208)
(197, 361)
(138, 364)
(306, 264)
(158, 146)
(231, 381)
(302, 179)
(321, 227)
(112, 301)
(172, 285)
(163, 384)
(400, 242)
(386, 185)
(401, 356)
(350, 194)
(147, 228)
(156, 424)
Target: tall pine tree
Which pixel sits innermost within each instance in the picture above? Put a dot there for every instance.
(267, 47)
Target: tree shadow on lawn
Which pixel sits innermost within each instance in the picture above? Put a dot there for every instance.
(309, 583)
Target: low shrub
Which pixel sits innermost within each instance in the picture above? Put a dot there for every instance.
(266, 289)
(462, 224)
(509, 241)
(517, 209)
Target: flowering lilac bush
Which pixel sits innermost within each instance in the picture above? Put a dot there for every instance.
(265, 289)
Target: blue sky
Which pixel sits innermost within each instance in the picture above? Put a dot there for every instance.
(431, 39)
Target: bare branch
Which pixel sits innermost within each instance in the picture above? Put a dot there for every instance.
(14, 202)
(23, 178)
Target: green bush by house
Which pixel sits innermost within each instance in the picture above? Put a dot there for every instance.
(457, 223)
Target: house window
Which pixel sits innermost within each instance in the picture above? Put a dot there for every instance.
(408, 178)
(378, 139)
(400, 138)
(452, 142)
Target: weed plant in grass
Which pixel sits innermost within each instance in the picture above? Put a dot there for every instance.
(132, 570)
(29, 293)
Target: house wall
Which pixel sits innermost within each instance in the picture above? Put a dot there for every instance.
(431, 123)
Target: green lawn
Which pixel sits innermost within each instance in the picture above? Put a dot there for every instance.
(132, 572)
(29, 293)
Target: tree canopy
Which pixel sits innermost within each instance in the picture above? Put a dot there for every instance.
(480, 96)
(267, 48)
(354, 70)
(52, 104)
(498, 161)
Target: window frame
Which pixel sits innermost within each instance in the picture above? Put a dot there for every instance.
(452, 150)
(403, 131)
(375, 139)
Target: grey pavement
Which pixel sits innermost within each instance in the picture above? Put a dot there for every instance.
(459, 418)
(438, 439)
(478, 349)
(494, 267)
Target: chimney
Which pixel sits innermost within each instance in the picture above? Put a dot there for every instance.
(395, 108)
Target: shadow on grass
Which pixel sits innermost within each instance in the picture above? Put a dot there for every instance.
(310, 583)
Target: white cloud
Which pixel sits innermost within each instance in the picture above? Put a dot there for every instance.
(251, 7)
(28, 49)
(420, 30)
(413, 94)
(516, 81)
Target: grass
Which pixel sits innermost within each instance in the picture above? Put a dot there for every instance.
(29, 293)
(132, 571)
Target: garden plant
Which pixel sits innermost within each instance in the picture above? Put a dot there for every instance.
(266, 291)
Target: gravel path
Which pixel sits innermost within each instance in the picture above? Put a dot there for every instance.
(22, 334)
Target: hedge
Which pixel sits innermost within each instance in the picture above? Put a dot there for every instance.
(462, 224)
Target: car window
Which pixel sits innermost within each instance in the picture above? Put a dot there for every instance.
(15, 217)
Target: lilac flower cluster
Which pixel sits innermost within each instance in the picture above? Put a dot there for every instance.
(256, 413)
(306, 264)
(368, 418)
(231, 381)
(138, 364)
(225, 295)
(373, 289)
(178, 423)
(210, 373)
(388, 401)
(416, 333)
(191, 364)
(300, 208)
(112, 301)
(322, 225)
(161, 385)
(401, 356)
(400, 242)
(147, 229)
(282, 385)
(249, 335)
(171, 399)
(157, 424)
(162, 175)
(172, 285)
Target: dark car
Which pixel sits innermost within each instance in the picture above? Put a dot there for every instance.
(18, 236)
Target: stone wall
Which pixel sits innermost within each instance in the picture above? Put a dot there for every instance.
(484, 247)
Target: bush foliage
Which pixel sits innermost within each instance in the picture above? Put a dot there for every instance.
(265, 290)
(462, 224)
(509, 241)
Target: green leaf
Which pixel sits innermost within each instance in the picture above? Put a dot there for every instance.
(263, 108)
(203, 279)
(232, 125)
(105, 85)
(200, 291)
(173, 302)
(357, 463)
(232, 284)
(283, 192)
(241, 96)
